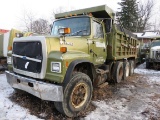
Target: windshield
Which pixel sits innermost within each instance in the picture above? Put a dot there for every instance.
(80, 26)
(157, 43)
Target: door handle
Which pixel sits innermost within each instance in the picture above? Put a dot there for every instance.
(91, 51)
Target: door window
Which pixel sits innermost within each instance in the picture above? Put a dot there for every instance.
(97, 30)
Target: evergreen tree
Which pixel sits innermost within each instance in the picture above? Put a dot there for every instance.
(128, 16)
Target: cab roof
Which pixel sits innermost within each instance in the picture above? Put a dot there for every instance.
(102, 11)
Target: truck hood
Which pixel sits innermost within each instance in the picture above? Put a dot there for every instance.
(53, 43)
(72, 43)
(48, 44)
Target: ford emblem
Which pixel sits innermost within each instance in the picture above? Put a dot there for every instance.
(24, 58)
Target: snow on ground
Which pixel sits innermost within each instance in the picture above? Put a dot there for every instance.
(136, 100)
(8, 109)
(133, 102)
(142, 70)
(153, 75)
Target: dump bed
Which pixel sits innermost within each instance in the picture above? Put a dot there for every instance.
(121, 44)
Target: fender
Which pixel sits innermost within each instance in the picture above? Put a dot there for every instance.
(71, 68)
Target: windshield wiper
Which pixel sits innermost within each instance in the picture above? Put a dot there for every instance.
(77, 32)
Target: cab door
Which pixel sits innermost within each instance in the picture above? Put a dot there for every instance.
(98, 43)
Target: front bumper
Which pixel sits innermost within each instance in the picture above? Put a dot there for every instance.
(42, 90)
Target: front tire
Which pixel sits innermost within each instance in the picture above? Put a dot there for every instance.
(77, 95)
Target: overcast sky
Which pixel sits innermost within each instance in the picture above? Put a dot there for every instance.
(11, 11)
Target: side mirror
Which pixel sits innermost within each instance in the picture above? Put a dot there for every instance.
(108, 25)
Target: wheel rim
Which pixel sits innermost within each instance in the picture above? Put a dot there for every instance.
(79, 95)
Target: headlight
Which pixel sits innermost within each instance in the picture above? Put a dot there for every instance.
(56, 67)
(9, 60)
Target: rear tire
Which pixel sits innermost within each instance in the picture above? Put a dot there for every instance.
(131, 67)
(155, 66)
(148, 65)
(118, 72)
(77, 95)
(125, 70)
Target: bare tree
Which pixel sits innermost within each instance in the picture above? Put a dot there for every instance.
(40, 26)
(145, 13)
(31, 24)
(27, 19)
(156, 22)
(58, 10)
(61, 9)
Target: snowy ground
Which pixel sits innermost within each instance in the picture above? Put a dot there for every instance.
(8, 109)
(138, 98)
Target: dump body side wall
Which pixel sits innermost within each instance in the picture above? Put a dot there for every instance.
(121, 45)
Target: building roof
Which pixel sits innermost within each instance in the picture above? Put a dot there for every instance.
(148, 34)
(2, 31)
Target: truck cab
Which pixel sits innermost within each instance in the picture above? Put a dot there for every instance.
(89, 34)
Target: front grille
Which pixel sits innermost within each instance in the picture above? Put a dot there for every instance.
(29, 49)
(24, 50)
(27, 65)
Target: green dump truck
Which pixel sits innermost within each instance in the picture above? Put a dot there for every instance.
(85, 49)
(153, 56)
